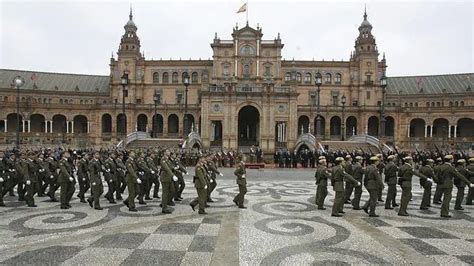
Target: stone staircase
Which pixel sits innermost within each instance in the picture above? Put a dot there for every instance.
(152, 143)
(348, 145)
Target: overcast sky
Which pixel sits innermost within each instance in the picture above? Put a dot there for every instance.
(418, 37)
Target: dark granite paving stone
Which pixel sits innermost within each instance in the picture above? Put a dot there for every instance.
(467, 259)
(154, 257)
(426, 232)
(203, 244)
(210, 220)
(177, 229)
(46, 256)
(376, 222)
(470, 240)
(422, 247)
(125, 240)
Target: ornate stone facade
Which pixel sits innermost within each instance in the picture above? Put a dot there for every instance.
(247, 94)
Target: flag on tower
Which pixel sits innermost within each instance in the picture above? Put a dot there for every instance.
(33, 77)
(242, 8)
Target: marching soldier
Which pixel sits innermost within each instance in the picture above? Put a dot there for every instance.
(349, 187)
(337, 180)
(133, 182)
(427, 170)
(446, 174)
(83, 176)
(31, 179)
(405, 175)
(438, 192)
(4, 177)
(21, 173)
(121, 171)
(143, 173)
(179, 171)
(212, 179)
(322, 175)
(381, 168)
(97, 188)
(373, 182)
(460, 185)
(66, 181)
(391, 170)
(40, 163)
(358, 174)
(53, 178)
(110, 175)
(166, 178)
(200, 184)
(240, 173)
(470, 195)
(152, 176)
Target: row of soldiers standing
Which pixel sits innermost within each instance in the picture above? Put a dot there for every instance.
(346, 177)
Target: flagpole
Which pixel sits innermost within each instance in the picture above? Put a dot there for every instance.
(247, 12)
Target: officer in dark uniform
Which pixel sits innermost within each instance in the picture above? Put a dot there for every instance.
(97, 188)
(372, 182)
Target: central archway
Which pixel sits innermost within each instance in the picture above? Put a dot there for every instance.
(249, 126)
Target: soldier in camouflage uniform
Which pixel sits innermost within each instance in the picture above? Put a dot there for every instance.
(391, 170)
(470, 195)
(110, 175)
(133, 182)
(322, 176)
(339, 175)
(349, 187)
(427, 170)
(438, 192)
(461, 185)
(83, 176)
(30, 170)
(66, 180)
(358, 173)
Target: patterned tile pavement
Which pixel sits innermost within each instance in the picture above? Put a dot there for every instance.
(281, 226)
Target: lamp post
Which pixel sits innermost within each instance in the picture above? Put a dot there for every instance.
(343, 124)
(383, 84)
(186, 84)
(318, 80)
(18, 81)
(124, 81)
(156, 99)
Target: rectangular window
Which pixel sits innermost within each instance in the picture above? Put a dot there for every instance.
(139, 101)
(335, 96)
(226, 71)
(312, 99)
(268, 71)
(368, 95)
(179, 98)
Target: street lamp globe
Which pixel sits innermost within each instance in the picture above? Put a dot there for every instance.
(343, 99)
(124, 79)
(186, 79)
(383, 81)
(319, 79)
(18, 81)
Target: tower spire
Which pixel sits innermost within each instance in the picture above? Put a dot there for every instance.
(365, 12)
(131, 13)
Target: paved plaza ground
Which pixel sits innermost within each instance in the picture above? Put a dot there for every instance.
(280, 226)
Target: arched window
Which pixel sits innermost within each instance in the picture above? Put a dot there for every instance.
(456, 103)
(287, 76)
(166, 77)
(184, 74)
(194, 77)
(328, 78)
(338, 78)
(307, 78)
(156, 77)
(462, 103)
(247, 50)
(298, 77)
(175, 77)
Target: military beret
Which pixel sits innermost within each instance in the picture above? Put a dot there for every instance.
(471, 160)
(374, 158)
(448, 157)
(348, 156)
(391, 157)
(339, 159)
(461, 161)
(408, 158)
(430, 160)
(359, 158)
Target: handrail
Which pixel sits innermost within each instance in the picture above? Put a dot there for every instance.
(131, 137)
(370, 140)
(192, 136)
(306, 138)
